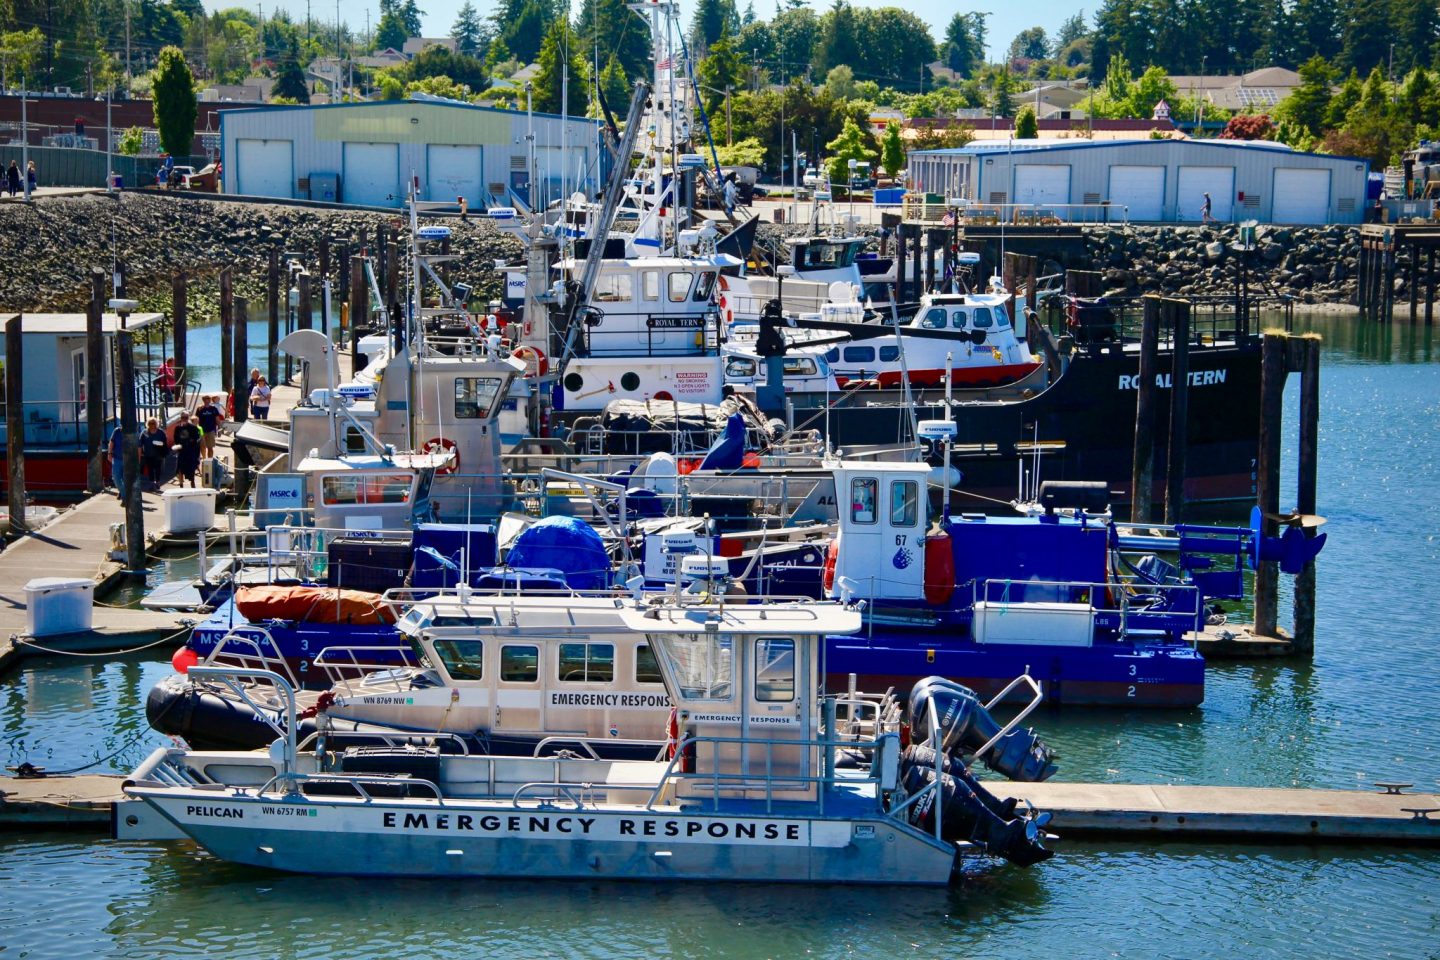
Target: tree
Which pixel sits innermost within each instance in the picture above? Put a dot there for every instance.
(174, 105)
(1306, 106)
(712, 18)
(468, 32)
(614, 86)
(1030, 44)
(1248, 126)
(744, 153)
(1002, 86)
(839, 37)
(840, 83)
(965, 43)
(557, 50)
(1071, 31)
(607, 25)
(1346, 97)
(438, 61)
(130, 142)
(524, 34)
(496, 55)
(390, 33)
(721, 71)
(892, 150)
(410, 14)
(1153, 86)
(21, 50)
(1368, 34)
(1027, 127)
(853, 143)
(290, 79)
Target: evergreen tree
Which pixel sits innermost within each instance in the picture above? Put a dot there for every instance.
(410, 14)
(174, 93)
(1367, 35)
(1346, 97)
(1314, 30)
(615, 86)
(496, 55)
(524, 34)
(1307, 105)
(560, 47)
(711, 18)
(1415, 25)
(853, 143)
(892, 150)
(390, 34)
(1070, 31)
(893, 44)
(1030, 44)
(468, 32)
(290, 79)
(610, 27)
(1417, 97)
(839, 38)
(964, 46)
(723, 69)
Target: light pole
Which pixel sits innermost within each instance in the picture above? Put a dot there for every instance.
(109, 143)
(850, 187)
(25, 140)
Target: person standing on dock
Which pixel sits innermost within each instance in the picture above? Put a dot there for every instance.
(187, 445)
(13, 178)
(1205, 209)
(209, 416)
(117, 461)
(153, 448)
(166, 381)
(30, 176)
(260, 400)
(464, 209)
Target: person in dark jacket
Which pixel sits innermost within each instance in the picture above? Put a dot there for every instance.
(187, 442)
(209, 416)
(13, 177)
(153, 448)
(117, 460)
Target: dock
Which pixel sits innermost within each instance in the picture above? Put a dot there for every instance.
(1140, 813)
(76, 544)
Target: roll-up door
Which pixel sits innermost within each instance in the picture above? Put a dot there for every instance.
(1300, 196)
(454, 171)
(1141, 190)
(372, 175)
(264, 168)
(1195, 182)
(1043, 183)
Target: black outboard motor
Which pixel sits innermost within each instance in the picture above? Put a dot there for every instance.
(970, 812)
(965, 725)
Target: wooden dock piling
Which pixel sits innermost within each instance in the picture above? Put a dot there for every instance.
(272, 298)
(359, 308)
(1178, 315)
(325, 284)
(1306, 479)
(240, 366)
(1143, 469)
(227, 327)
(15, 422)
(392, 286)
(180, 319)
(129, 422)
(94, 384)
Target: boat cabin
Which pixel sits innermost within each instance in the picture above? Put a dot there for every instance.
(371, 492)
(826, 259)
(654, 306)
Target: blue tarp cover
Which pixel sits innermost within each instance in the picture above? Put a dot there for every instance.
(565, 544)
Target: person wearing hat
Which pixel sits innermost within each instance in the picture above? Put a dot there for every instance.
(209, 417)
(187, 449)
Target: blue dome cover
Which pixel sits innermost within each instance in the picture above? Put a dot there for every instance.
(565, 544)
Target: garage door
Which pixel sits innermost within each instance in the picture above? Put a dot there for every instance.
(372, 174)
(454, 171)
(1300, 196)
(1043, 183)
(1195, 182)
(1141, 190)
(264, 168)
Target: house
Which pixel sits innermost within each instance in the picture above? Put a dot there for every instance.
(249, 90)
(881, 118)
(381, 59)
(1056, 100)
(413, 45)
(985, 128)
(1257, 91)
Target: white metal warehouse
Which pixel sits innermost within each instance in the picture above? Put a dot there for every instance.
(363, 153)
(1161, 181)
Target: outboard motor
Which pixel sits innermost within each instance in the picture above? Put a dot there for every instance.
(965, 724)
(970, 812)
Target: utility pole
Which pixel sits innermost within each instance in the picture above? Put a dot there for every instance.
(128, 75)
(729, 133)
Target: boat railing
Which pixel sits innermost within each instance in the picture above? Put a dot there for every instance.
(587, 744)
(232, 677)
(1135, 605)
(250, 647)
(342, 663)
(357, 781)
(335, 739)
(670, 335)
(306, 549)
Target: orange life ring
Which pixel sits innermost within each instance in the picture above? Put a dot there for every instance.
(532, 355)
(832, 556)
(444, 445)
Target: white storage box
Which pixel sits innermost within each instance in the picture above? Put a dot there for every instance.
(1036, 624)
(189, 510)
(59, 605)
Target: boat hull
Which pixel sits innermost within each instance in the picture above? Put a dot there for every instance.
(1106, 674)
(500, 839)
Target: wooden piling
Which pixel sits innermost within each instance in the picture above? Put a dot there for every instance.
(15, 422)
(324, 281)
(1412, 278)
(272, 297)
(1179, 314)
(180, 317)
(241, 365)
(129, 424)
(1267, 473)
(95, 384)
(359, 308)
(1143, 469)
(1430, 287)
(1361, 277)
(392, 291)
(916, 275)
(303, 322)
(901, 278)
(1306, 483)
(227, 327)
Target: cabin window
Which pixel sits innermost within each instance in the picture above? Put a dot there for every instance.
(982, 318)
(859, 354)
(833, 355)
(702, 664)
(587, 663)
(934, 319)
(1002, 318)
(463, 659)
(679, 283)
(650, 284)
(774, 669)
(461, 620)
(863, 492)
(703, 288)
(958, 319)
(366, 488)
(475, 397)
(799, 367)
(519, 663)
(614, 288)
(354, 440)
(739, 367)
(904, 503)
(647, 668)
(889, 354)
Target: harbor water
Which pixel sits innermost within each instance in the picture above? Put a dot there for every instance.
(1362, 711)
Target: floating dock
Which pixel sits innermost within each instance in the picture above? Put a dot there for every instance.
(1109, 811)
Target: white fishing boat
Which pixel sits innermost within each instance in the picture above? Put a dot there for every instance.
(752, 788)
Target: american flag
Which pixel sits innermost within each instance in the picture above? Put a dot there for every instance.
(949, 219)
(665, 64)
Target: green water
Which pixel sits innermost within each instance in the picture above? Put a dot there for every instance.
(1363, 710)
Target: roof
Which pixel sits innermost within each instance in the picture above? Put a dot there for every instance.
(66, 324)
(356, 462)
(385, 104)
(777, 618)
(1033, 146)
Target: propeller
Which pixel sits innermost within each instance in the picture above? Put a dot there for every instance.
(1294, 549)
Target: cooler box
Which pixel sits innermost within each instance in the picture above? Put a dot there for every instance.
(59, 605)
(189, 510)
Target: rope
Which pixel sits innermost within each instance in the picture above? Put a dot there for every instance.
(136, 739)
(29, 642)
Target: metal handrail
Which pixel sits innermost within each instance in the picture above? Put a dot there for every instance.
(330, 660)
(293, 781)
(1014, 721)
(230, 676)
(563, 788)
(587, 743)
(394, 739)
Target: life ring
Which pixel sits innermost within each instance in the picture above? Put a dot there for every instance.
(444, 445)
(722, 301)
(533, 357)
(832, 558)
